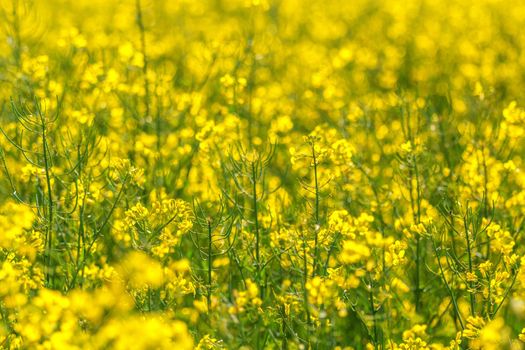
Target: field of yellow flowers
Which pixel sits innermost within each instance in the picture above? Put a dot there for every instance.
(262, 174)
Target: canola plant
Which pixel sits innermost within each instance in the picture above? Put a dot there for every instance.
(262, 174)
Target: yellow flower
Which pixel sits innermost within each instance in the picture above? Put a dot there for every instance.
(141, 271)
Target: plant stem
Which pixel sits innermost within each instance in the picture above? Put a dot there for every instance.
(316, 212)
(210, 262)
(454, 302)
(256, 223)
(49, 219)
(469, 253)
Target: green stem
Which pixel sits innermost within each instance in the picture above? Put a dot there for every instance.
(210, 262)
(256, 223)
(454, 301)
(373, 311)
(49, 223)
(305, 294)
(469, 253)
(316, 213)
